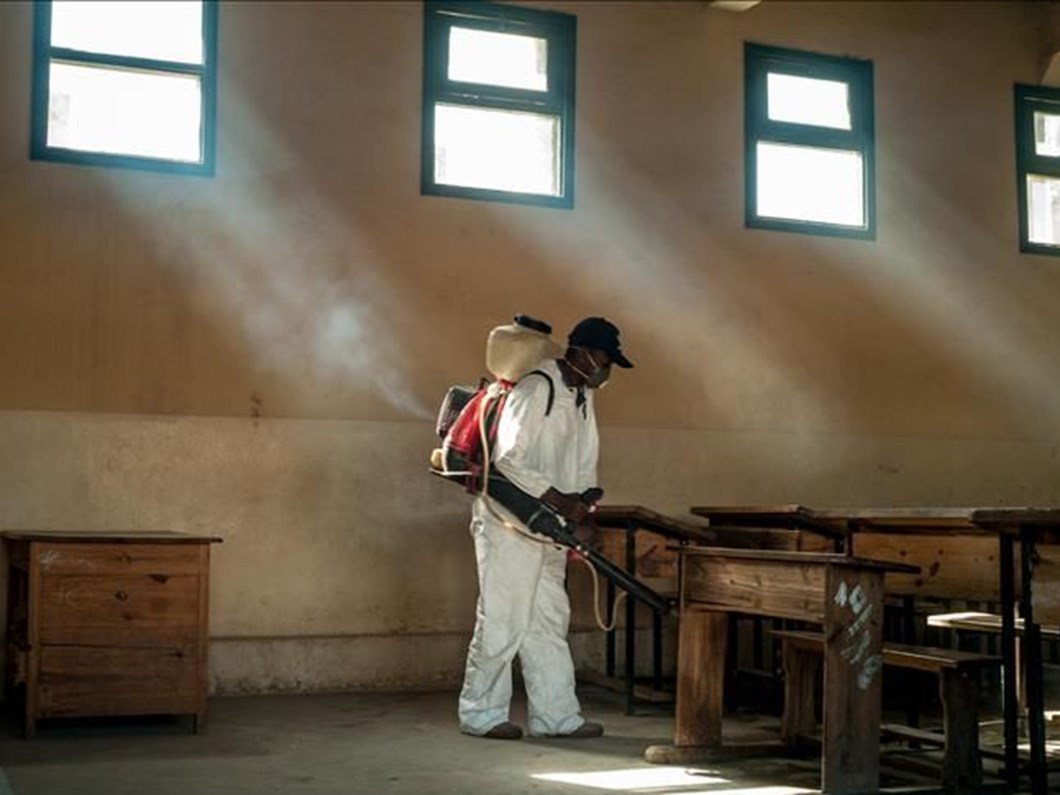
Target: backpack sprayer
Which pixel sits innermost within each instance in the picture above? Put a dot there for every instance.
(467, 424)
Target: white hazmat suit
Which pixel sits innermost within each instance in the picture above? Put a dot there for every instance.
(522, 605)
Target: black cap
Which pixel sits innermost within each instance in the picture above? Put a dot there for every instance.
(601, 334)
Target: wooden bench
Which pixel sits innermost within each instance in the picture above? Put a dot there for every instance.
(957, 671)
(989, 623)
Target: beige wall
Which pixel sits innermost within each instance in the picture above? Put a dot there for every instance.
(259, 355)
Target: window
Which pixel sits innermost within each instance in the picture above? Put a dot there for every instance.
(808, 122)
(1038, 168)
(125, 83)
(498, 107)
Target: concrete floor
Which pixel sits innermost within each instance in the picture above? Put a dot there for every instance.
(398, 744)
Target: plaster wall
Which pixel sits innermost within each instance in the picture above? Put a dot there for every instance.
(259, 355)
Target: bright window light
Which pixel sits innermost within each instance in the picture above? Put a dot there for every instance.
(498, 59)
(165, 30)
(497, 149)
(126, 84)
(1043, 209)
(810, 143)
(498, 103)
(810, 184)
(1046, 134)
(119, 111)
(806, 100)
(664, 779)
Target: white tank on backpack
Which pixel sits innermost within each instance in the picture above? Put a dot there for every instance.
(514, 350)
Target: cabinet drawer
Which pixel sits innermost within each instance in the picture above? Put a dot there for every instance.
(98, 681)
(116, 610)
(119, 558)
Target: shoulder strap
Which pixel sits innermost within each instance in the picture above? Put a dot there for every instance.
(551, 388)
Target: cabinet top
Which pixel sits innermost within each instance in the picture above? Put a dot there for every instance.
(109, 536)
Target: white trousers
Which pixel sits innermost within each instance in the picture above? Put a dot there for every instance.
(522, 609)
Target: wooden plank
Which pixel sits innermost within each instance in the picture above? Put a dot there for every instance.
(738, 536)
(930, 659)
(110, 536)
(33, 630)
(759, 515)
(782, 589)
(795, 517)
(1045, 587)
(76, 558)
(1043, 522)
(77, 680)
(702, 638)
(912, 733)
(1016, 515)
(97, 610)
(781, 556)
(853, 664)
(951, 567)
(654, 558)
(202, 634)
(955, 517)
(983, 622)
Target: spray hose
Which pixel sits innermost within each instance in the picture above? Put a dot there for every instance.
(603, 625)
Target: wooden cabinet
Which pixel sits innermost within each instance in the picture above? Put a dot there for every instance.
(102, 624)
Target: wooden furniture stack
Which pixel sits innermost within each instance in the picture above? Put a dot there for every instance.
(1009, 556)
(106, 624)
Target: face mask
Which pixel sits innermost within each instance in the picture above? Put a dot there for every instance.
(598, 378)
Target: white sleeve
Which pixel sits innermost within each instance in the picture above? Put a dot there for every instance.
(517, 434)
(589, 452)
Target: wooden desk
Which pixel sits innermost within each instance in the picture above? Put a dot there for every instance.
(104, 624)
(843, 593)
(642, 540)
(996, 579)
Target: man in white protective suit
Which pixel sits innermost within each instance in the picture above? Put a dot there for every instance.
(523, 609)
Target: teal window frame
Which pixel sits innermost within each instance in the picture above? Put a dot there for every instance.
(44, 53)
(560, 30)
(1029, 99)
(761, 60)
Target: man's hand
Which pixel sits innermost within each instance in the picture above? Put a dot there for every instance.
(569, 506)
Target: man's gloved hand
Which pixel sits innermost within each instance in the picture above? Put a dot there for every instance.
(569, 506)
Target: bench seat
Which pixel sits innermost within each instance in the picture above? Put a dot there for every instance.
(958, 674)
(983, 622)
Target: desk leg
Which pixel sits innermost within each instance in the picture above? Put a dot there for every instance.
(1009, 664)
(631, 620)
(656, 649)
(702, 638)
(1032, 661)
(962, 766)
(853, 664)
(802, 675)
(700, 677)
